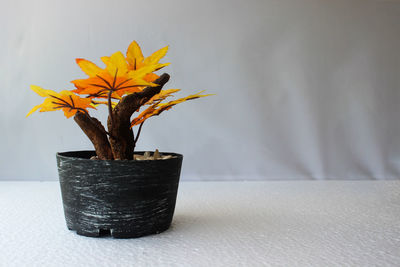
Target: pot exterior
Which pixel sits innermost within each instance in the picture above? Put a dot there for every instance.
(123, 198)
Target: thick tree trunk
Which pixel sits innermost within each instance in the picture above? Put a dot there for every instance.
(121, 135)
(96, 133)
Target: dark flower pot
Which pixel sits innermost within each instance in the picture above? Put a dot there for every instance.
(121, 198)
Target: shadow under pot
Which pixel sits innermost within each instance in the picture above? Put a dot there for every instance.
(121, 198)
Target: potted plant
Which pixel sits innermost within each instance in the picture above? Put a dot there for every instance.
(114, 189)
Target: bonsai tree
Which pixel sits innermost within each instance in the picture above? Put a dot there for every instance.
(127, 84)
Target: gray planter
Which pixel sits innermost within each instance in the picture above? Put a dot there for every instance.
(121, 198)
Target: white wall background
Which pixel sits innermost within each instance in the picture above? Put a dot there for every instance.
(306, 89)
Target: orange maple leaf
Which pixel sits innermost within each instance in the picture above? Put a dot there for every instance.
(161, 96)
(157, 108)
(115, 80)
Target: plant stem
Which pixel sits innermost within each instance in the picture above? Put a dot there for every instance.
(110, 106)
(136, 139)
(138, 133)
(112, 89)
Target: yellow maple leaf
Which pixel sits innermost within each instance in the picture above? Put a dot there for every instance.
(137, 61)
(65, 100)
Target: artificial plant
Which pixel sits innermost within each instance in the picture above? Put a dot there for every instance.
(125, 85)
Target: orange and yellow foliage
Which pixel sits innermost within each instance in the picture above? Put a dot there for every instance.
(65, 100)
(121, 75)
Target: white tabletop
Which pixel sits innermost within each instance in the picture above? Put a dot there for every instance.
(286, 223)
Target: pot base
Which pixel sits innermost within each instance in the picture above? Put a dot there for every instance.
(122, 199)
(116, 233)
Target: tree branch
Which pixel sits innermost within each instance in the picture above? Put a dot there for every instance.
(133, 102)
(96, 133)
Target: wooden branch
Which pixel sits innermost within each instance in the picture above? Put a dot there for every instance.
(121, 135)
(96, 133)
(131, 103)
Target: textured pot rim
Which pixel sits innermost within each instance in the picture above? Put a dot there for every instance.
(64, 155)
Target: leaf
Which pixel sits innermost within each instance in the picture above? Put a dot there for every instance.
(161, 96)
(117, 65)
(97, 103)
(117, 76)
(103, 83)
(158, 108)
(151, 77)
(136, 61)
(88, 67)
(134, 55)
(156, 56)
(139, 73)
(40, 91)
(65, 100)
(33, 110)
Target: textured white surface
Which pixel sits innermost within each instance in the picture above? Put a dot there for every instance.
(290, 223)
